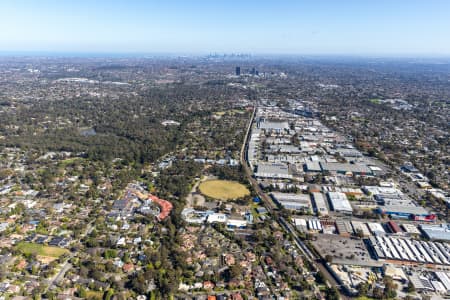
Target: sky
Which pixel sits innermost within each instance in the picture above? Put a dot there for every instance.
(321, 27)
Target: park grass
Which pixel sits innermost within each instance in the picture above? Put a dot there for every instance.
(41, 250)
(223, 189)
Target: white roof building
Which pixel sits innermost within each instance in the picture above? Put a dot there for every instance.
(273, 125)
(236, 223)
(320, 204)
(376, 228)
(299, 222)
(217, 218)
(280, 171)
(443, 277)
(292, 201)
(339, 202)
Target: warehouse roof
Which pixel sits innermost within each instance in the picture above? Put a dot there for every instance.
(345, 167)
(404, 209)
(292, 200)
(273, 170)
(339, 202)
(437, 232)
(319, 201)
(313, 166)
(273, 125)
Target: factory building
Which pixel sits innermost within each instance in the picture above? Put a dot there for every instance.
(376, 228)
(339, 202)
(394, 228)
(410, 251)
(273, 126)
(436, 232)
(360, 228)
(344, 228)
(320, 205)
(315, 225)
(410, 229)
(346, 168)
(275, 171)
(300, 224)
(445, 279)
(403, 211)
(299, 202)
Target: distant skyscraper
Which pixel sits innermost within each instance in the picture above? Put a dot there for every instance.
(238, 71)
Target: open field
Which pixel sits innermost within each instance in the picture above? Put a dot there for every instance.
(223, 189)
(41, 250)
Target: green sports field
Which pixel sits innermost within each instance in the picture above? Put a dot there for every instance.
(42, 250)
(223, 189)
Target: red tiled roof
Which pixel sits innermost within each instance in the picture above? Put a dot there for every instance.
(166, 206)
(127, 267)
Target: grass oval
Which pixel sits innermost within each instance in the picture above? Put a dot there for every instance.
(223, 189)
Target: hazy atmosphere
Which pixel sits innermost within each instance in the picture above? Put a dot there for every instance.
(401, 27)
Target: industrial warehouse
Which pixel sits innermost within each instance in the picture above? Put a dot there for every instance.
(363, 223)
(400, 250)
(293, 201)
(339, 202)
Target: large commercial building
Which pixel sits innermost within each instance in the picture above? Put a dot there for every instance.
(394, 228)
(339, 202)
(300, 202)
(253, 148)
(290, 149)
(275, 171)
(313, 166)
(314, 225)
(404, 211)
(236, 223)
(376, 228)
(217, 218)
(346, 168)
(338, 168)
(410, 251)
(300, 224)
(273, 126)
(344, 228)
(436, 232)
(410, 229)
(445, 279)
(320, 205)
(360, 228)
(350, 153)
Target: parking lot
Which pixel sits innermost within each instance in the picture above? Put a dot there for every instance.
(344, 250)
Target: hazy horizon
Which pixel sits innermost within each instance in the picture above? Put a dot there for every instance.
(112, 55)
(355, 28)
